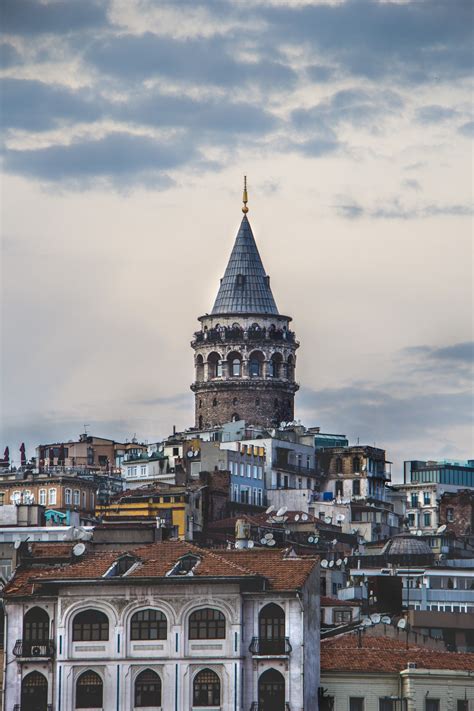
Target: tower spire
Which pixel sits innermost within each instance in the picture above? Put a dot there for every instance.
(245, 198)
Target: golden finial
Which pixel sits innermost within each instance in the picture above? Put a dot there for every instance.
(245, 198)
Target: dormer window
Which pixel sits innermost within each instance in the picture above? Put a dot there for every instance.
(185, 565)
(121, 566)
(240, 281)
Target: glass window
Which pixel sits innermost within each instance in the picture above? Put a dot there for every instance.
(89, 691)
(76, 497)
(356, 703)
(36, 626)
(42, 497)
(342, 616)
(90, 626)
(206, 689)
(148, 624)
(356, 465)
(52, 496)
(427, 519)
(236, 367)
(449, 515)
(431, 704)
(67, 497)
(462, 705)
(356, 487)
(148, 689)
(207, 624)
(427, 498)
(386, 704)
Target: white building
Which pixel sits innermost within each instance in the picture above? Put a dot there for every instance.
(168, 627)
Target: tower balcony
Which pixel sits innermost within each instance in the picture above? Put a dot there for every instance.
(239, 335)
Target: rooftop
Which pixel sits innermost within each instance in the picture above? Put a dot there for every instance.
(383, 654)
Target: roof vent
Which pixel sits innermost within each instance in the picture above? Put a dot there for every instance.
(185, 565)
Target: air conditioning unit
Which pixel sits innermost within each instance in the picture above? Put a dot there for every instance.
(36, 651)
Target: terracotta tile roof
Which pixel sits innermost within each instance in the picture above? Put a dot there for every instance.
(335, 602)
(384, 654)
(51, 550)
(282, 571)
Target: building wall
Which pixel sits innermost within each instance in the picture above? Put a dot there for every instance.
(82, 493)
(457, 512)
(447, 686)
(371, 687)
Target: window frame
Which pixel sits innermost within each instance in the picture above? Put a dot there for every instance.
(202, 626)
(100, 634)
(213, 694)
(140, 626)
(155, 695)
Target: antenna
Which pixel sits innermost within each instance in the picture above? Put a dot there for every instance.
(17, 543)
(346, 560)
(268, 536)
(375, 618)
(271, 542)
(327, 519)
(340, 518)
(419, 533)
(263, 541)
(310, 539)
(79, 549)
(367, 622)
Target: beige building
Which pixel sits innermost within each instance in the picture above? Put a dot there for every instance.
(61, 493)
(360, 672)
(87, 452)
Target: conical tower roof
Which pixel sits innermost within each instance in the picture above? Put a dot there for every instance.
(245, 288)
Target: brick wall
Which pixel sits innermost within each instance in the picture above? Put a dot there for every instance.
(456, 510)
(264, 404)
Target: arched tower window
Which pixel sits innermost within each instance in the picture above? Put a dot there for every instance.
(290, 365)
(199, 368)
(276, 362)
(234, 361)
(256, 364)
(214, 365)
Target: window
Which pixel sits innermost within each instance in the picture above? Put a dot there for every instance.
(148, 689)
(386, 704)
(42, 497)
(356, 703)
(356, 465)
(271, 624)
(249, 471)
(431, 704)
(148, 624)
(342, 617)
(92, 502)
(89, 691)
(235, 367)
(67, 497)
(52, 497)
(240, 280)
(76, 498)
(462, 705)
(339, 465)
(338, 489)
(214, 402)
(207, 624)
(90, 626)
(206, 689)
(427, 519)
(450, 515)
(411, 519)
(426, 498)
(36, 626)
(414, 501)
(356, 487)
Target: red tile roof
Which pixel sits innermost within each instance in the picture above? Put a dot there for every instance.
(384, 654)
(335, 602)
(282, 571)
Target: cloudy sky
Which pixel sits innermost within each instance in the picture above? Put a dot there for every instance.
(127, 128)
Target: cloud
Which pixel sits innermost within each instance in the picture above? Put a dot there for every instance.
(321, 74)
(117, 159)
(413, 42)
(458, 353)
(435, 114)
(33, 17)
(467, 129)
(200, 61)
(9, 56)
(37, 106)
(394, 210)
(355, 106)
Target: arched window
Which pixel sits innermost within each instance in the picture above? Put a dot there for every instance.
(148, 689)
(235, 417)
(207, 623)
(199, 368)
(339, 465)
(148, 624)
(67, 497)
(34, 692)
(234, 364)
(356, 465)
(200, 422)
(35, 629)
(271, 629)
(290, 366)
(206, 689)
(89, 691)
(256, 364)
(214, 365)
(214, 402)
(276, 361)
(90, 626)
(271, 691)
(52, 497)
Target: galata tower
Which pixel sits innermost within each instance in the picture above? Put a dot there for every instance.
(245, 352)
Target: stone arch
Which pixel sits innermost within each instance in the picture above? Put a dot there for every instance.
(235, 417)
(34, 692)
(256, 361)
(290, 366)
(234, 364)
(83, 605)
(276, 365)
(137, 606)
(214, 364)
(35, 626)
(271, 690)
(199, 368)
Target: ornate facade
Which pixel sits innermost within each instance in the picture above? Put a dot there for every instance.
(245, 352)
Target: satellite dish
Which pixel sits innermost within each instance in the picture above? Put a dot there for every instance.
(316, 539)
(287, 531)
(270, 510)
(334, 541)
(271, 542)
(401, 624)
(269, 536)
(324, 563)
(282, 511)
(17, 543)
(310, 539)
(386, 620)
(367, 622)
(441, 529)
(419, 533)
(340, 518)
(250, 544)
(327, 519)
(196, 453)
(338, 562)
(331, 564)
(346, 560)
(79, 549)
(190, 453)
(297, 517)
(304, 517)
(375, 618)
(263, 541)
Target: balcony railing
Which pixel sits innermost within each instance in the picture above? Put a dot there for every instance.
(294, 468)
(214, 335)
(270, 647)
(27, 649)
(269, 706)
